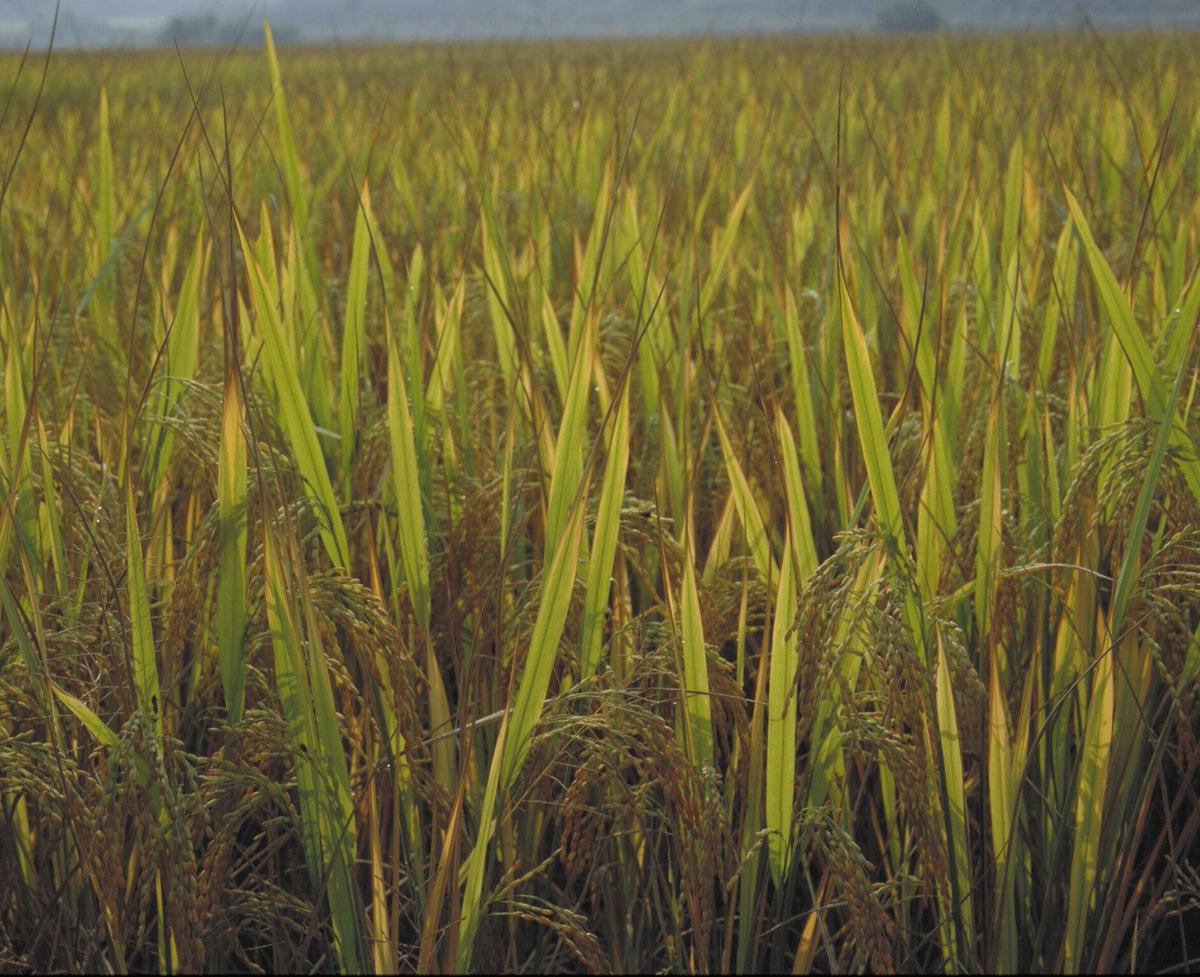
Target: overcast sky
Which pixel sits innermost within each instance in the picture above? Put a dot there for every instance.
(124, 8)
(134, 22)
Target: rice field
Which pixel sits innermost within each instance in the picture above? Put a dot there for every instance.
(627, 506)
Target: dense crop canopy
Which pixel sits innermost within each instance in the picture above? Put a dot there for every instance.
(637, 507)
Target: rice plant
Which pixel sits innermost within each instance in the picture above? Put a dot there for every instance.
(642, 506)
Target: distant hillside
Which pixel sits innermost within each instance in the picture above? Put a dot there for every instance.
(143, 22)
(460, 18)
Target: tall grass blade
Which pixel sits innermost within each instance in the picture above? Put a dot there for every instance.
(870, 424)
(143, 657)
(748, 511)
(604, 540)
(1133, 343)
(326, 810)
(514, 741)
(231, 533)
(294, 414)
(354, 338)
(414, 554)
(781, 725)
(697, 706)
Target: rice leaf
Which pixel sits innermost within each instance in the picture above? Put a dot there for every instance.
(800, 533)
(231, 553)
(354, 339)
(604, 540)
(514, 741)
(1133, 343)
(145, 661)
(780, 783)
(870, 424)
(326, 811)
(294, 415)
(413, 547)
(697, 707)
(748, 510)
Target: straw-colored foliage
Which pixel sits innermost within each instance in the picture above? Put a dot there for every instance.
(649, 506)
